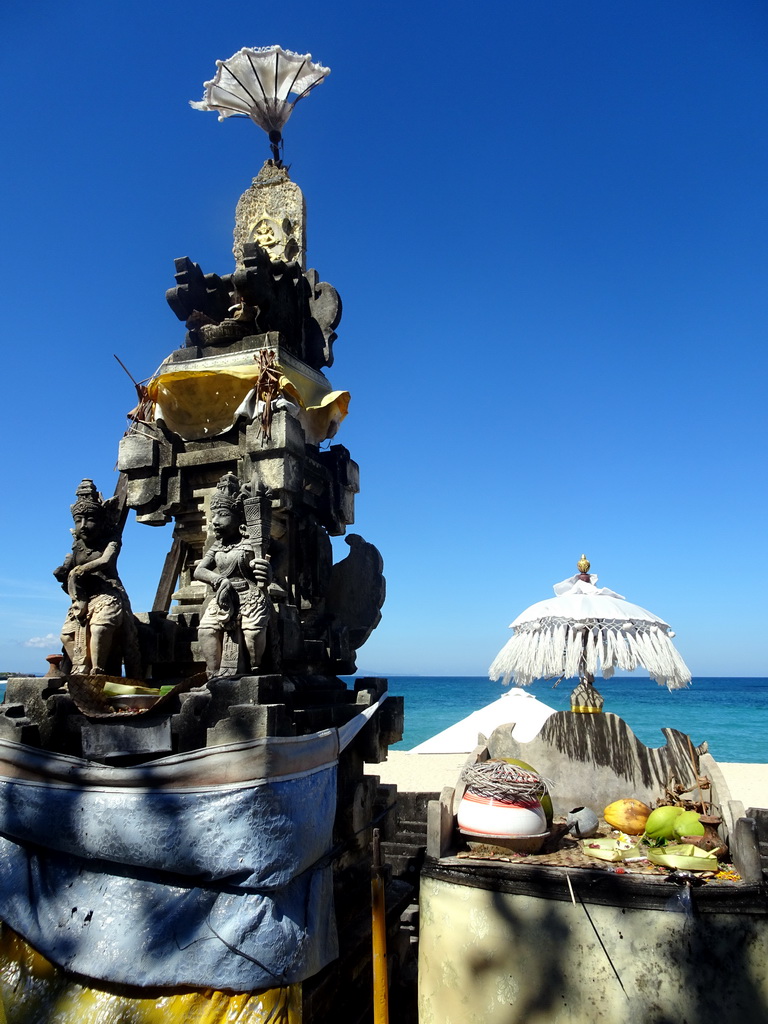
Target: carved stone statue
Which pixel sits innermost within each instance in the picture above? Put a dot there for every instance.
(99, 631)
(233, 627)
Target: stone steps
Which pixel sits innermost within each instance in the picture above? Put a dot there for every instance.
(405, 833)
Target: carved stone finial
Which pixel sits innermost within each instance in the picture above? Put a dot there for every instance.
(272, 214)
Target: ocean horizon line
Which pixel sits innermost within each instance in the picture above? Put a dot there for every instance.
(452, 675)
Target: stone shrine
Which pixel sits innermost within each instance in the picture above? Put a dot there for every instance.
(231, 681)
(243, 400)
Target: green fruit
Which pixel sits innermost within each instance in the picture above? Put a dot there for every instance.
(688, 824)
(546, 800)
(661, 822)
(546, 806)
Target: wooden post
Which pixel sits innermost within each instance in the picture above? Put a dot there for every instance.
(170, 574)
(379, 937)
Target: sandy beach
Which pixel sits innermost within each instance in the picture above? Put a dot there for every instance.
(429, 773)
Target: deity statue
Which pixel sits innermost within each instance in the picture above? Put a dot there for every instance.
(99, 631)
(265, 235)
(233, 627)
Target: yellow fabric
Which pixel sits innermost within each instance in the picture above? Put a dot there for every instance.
(33, 991)
(202, 403)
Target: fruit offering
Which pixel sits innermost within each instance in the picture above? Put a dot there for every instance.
(628, 815)
(687, 824)
(661, 823)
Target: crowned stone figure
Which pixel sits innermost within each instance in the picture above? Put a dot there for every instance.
(99, 631)
(233, 627)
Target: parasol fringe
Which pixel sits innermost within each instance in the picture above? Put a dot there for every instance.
(545, 650)
(572, 653)
(591, 653)
(658, 657)
(555, 648)
(608, 654)
(585, 631)
(643, 653)
(532, 656)
(558, 649)
(627, 661)
(561, 634)
(555, 652)
(505, 664)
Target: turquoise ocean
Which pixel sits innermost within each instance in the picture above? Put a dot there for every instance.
(730, 714)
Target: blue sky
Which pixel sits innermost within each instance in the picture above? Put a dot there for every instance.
(547, 222)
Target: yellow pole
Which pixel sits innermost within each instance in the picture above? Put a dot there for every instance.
(379, 937)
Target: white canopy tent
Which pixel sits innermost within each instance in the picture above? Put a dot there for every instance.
(518, 706)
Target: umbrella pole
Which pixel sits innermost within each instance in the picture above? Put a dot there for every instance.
(585, 699)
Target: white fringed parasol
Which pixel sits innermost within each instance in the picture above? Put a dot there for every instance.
(585, 629)
(257, 82)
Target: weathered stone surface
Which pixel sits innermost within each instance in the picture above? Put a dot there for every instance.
(181, 358)
(206, 455)
(357, 590)
(137, 452)
(440, 824)
(745, 850)
(196, 292)
(131, 737)
(45, 707)
(340, 477)
(249, 689)
(16, 725)
(325, 315)
(291, 640)
(250, 722)
(370, 688)
(522, 944)
(283, 474)
(594, 759)
(145, 493)
(272, 213)
(30, 690)
(362, 803)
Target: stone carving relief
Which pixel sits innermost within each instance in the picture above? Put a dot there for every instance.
(276, 238)
(233, 628)
(99, 632)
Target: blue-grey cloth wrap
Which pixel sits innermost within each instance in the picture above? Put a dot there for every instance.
(208, 869)
(223, 887)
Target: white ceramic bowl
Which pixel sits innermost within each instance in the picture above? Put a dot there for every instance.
(485, 816)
